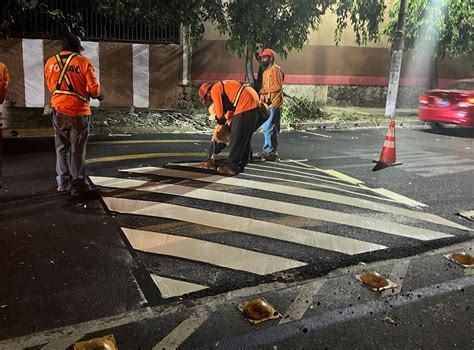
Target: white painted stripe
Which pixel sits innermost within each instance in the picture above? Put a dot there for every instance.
(397, 276)
(318, 185)
(305, 193)
(436, 161)
(172, 288)
(298, 174)
(91, 51)
(316, 134)
(399, 198)
(33, 67)
(240, 224)
(199, 250)
(185, 329)
(441, 170)
(303, 301)
(354, 220)
(141, 75)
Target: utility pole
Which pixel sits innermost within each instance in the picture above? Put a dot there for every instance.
(396, 63)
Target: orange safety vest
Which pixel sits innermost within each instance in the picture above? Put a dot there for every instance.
(63, 76)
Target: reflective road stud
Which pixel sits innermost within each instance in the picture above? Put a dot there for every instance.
(375, 281)
(258, 311)
(103, 343)
(461, 258)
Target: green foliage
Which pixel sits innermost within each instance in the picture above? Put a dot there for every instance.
(284, 25)
(450, 23)
(297, 110)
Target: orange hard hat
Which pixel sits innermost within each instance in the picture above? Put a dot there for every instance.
(203, 89)
(268, 52)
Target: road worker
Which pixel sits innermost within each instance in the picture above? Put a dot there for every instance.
(71, 79)
(271, 93)
(243, 101)
(4, 80)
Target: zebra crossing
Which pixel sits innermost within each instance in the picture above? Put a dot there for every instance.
(273, 218)
(424, 163)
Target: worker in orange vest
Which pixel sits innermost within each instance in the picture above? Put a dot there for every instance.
(4, 80)
(71, 78)
(243, 101)
(272, 94)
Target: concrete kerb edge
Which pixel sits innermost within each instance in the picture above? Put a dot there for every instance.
(209, 303)
(322, 125)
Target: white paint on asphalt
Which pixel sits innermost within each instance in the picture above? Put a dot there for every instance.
(170, 287)
(208, 252)
(303, 301)
(321, 214)
(397, 276)
(253, 227)
(185, 329)
(405, 200)
(319, 185)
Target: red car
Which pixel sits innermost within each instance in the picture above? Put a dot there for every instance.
(453, 104)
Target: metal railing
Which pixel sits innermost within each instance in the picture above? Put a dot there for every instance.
(34, 24)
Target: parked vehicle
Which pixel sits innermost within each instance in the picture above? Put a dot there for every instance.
(454, 104)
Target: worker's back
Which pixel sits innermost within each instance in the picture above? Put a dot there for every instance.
(4, 80)
(72, 90)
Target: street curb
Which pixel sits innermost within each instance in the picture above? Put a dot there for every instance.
(206, 304)
(321, 125)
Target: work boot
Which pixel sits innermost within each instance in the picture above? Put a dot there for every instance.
(210, 163)
(226, 170)
(270, 157)
(64, 187)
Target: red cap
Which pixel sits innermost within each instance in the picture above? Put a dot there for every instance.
(268, 52)
(203, 89)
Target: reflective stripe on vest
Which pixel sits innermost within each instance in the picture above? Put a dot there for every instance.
(63, 76)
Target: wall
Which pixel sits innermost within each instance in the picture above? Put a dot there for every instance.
(145, 76)
(343, 74)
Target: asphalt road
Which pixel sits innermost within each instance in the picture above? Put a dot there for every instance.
(156, 235)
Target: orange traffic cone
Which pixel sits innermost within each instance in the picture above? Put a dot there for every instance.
(388, 155)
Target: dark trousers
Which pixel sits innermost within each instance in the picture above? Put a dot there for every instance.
(242, 128)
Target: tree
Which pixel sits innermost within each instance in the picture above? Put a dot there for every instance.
(284, 25)
(440, 27)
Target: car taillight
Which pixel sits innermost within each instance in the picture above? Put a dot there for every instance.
(423, 99)
(467, 102)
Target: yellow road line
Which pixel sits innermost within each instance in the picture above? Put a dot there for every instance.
(128, 142)
(144, 156)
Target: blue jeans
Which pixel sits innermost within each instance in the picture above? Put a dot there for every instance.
(270, 129)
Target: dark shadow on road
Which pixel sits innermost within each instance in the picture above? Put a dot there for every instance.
(450, 131)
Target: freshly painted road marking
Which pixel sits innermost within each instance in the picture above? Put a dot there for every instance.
(303, 301)
(397, 276)
(300, 192)
(396, 197)
(172, 288)
(320, 186)
(313, 177)
(183, 331)
(386, 193)
(207, 252)
(385, 226)
(233, 223)
(127, 142)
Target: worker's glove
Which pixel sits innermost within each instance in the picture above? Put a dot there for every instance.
(220, 121)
